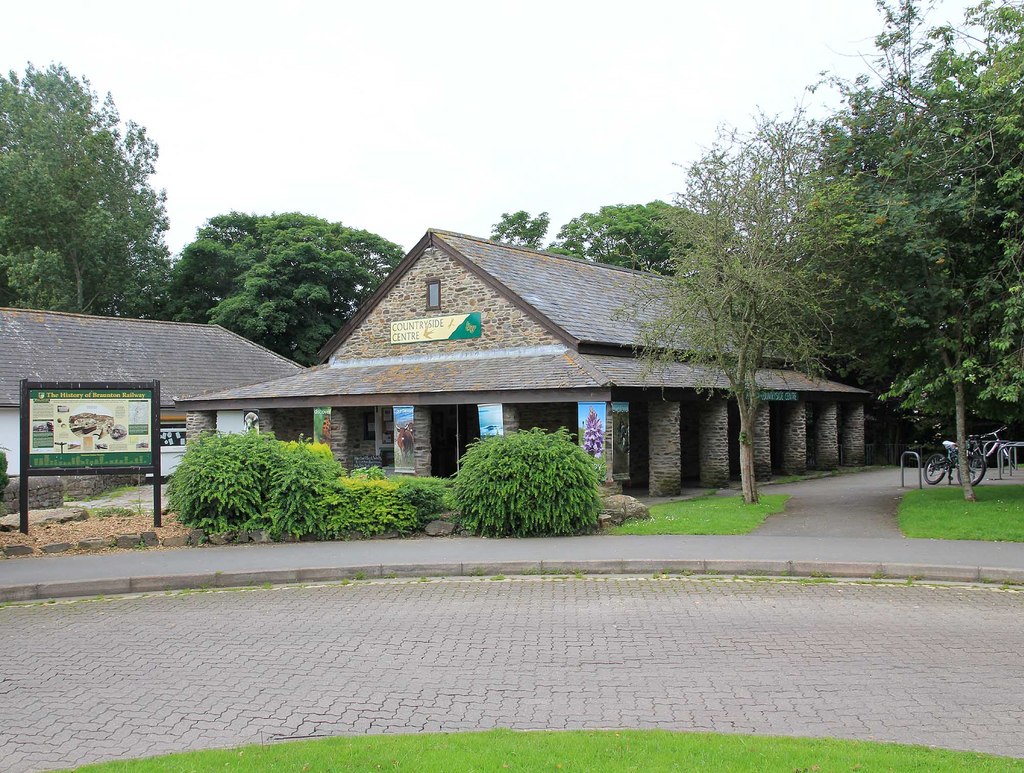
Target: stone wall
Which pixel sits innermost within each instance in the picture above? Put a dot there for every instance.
(714, 443)
(853, 434)
(762, 443)
(502, 322)
(826, 436)
(422, 427)
(548, 416)
(794, 438)
(81, 486)
(287, 423)
(198, 422)
(44, 493)
(510, 417)
(663, 444)
(344, 431)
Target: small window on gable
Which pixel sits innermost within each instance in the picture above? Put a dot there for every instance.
(433, 293)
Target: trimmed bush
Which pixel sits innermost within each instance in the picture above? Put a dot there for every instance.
(526, 484)
(224, 481)
(299, 492)
(367, 508)
(429, 496)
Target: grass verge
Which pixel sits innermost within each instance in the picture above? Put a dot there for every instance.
(942, 513)
(706, 515)
(606, 751)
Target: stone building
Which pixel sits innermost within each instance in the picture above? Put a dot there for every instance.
(464, 322)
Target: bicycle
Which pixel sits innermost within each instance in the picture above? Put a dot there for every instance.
(938, 466)
(996, 448)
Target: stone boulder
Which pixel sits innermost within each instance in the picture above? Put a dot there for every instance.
(439, 528)
(618, 508)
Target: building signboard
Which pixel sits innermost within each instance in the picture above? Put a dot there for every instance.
(777, 396)
(448, 328)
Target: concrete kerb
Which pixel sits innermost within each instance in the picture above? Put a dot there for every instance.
(645, 567)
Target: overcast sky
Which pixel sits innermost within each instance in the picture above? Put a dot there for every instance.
(396, 117)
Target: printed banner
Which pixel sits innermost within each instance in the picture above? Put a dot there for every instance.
(491, 420)
(620, 441)
(452, 327)
(405, 439)
(90, 428)
(591, 421)
(322, 425)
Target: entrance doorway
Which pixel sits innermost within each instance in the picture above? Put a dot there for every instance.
(452, 428)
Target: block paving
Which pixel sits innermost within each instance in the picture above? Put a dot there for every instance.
(137, 676)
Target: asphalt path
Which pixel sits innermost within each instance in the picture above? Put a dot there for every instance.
(134, 676)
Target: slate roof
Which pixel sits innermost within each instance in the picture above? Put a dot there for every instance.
(593, 302)
(186, 358)
(548, 367)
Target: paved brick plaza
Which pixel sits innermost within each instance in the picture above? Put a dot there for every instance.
(139, 676)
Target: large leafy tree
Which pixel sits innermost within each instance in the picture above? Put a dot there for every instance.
(520, 229)
(744, 295)
(81, 227)
(287, 282)
(631, 235)
(933, 145)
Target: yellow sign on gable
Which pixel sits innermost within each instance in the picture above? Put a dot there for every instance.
(451, 327)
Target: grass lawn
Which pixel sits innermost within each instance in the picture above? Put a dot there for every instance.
(706, 515)
(942, 513)
(590, 751)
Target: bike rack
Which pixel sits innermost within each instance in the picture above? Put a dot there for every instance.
(920, 469)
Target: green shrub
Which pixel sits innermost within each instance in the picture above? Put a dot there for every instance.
(429, 496)
(368, 507)
(527, 484)
(319, 449)
(368, 473)
(223, 482)
(299, 491)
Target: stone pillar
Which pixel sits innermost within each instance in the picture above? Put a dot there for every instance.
(826, 436)
(345, 434)
(268, 418)
(421, 425)
(794, 438)
(853, 434)
(714, 443)
(510, 417)
(663, 441)
(762, 442)
(198, 423)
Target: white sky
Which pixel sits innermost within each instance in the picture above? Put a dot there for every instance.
(396, 117)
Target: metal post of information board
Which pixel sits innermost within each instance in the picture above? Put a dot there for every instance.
(154, 445)
(26, 437)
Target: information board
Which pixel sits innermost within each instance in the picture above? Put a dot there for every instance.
(90, 428)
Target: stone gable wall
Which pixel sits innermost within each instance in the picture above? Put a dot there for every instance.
(503, 324)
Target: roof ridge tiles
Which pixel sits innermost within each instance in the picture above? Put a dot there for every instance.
(570, 258)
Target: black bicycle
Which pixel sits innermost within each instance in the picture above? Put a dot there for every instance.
(940, 466)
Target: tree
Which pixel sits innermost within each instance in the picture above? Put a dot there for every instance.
(932, 145)
(520, 230)
(631, 235)
(81, 227)
(287, 282)
(743, 296)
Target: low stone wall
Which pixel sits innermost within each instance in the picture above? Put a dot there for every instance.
(43, 494)
(82, 486)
